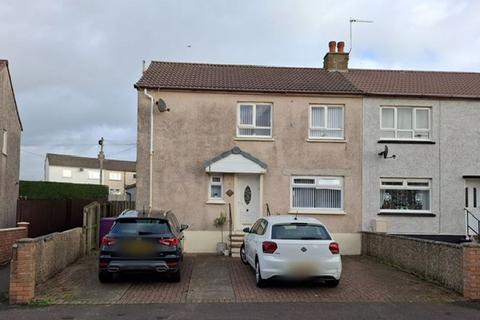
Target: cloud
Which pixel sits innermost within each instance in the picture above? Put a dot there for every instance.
(74, 63)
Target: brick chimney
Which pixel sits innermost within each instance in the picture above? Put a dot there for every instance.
(336, 58)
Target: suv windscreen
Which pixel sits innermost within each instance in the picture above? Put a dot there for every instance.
(299, 231)
(134, 226)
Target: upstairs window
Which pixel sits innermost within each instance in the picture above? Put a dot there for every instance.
(405, 123)
(326, 122)
(405, 195)
(67, 173)
(115, 176)
(93, 175)
(254, 120)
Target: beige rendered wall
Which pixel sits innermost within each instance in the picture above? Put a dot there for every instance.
(201, 125)
(10, 163)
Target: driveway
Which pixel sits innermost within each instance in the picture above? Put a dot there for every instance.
(207, 279)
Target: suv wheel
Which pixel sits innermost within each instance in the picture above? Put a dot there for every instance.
(243, 256)
(258, 276)
(105, 277)
(176, 276)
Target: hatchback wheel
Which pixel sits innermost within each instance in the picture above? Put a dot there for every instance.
(105, 276)
(332, 283)
(258, 276)
(243, 255)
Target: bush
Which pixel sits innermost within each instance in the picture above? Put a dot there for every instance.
(60, 190)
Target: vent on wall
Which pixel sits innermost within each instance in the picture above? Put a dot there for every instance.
(81, 169)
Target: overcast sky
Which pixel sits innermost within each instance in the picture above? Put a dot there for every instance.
(74, 63)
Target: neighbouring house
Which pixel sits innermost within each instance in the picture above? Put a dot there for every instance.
(117, 174)
(10, 135)
(244, 137)
(429, 121)
(131, 192)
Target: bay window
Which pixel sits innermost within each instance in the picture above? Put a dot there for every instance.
(405, 123)
(318, 193)
(405, 195)
(326, 122)
(254, 120)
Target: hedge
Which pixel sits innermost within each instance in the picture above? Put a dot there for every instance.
(60, 190)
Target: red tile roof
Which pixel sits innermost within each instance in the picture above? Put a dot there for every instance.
(247, 78)
(220, 77)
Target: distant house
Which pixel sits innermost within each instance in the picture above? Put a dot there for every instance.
(10, 133)
(117, 174)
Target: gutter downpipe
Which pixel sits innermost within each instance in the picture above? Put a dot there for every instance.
(150, 191)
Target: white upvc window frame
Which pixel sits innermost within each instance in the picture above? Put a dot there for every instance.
(92, 172)
(317, 184)
(414, 123)
(403, 184)
(254, 117)
(66, 173)
(325, 127)
(215, 183)
(5, 142)
(115, 176)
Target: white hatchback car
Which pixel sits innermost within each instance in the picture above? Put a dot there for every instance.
(291, 247)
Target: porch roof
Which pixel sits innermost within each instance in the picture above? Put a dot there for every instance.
(235, 160)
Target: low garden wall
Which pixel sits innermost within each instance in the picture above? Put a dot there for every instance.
(8, 236)
(35, 260)
(454, 266)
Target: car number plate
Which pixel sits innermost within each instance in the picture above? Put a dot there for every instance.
(138, 248)
(299, 269)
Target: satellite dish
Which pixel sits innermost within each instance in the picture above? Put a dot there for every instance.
(384, 153)
(162, 105)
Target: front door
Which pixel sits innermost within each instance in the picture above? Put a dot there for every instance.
(472, 200)
(247, 197)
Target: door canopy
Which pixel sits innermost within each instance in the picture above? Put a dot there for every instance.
(235, 161)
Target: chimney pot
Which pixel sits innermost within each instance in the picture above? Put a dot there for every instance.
(332, 46)
(341, 47)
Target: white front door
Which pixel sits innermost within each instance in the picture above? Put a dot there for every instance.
(247, 198)
(472, 200)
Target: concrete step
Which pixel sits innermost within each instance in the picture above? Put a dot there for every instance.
(235, 255)
(235, 250)
(237, 236)
(236, 244)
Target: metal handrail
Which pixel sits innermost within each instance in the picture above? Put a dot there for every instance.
(468, 213)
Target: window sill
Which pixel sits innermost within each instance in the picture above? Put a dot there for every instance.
(327, 140)
(395, 141)
(211, 201)
(312, 211)
(407, 214)
(253, 139)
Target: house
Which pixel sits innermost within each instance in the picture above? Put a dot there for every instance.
(361, 150)
(10, 134)
(73, 169)
(254, 140)
(429, 121)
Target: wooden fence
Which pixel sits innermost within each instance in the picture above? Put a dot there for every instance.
(47, 216)
(93, 213)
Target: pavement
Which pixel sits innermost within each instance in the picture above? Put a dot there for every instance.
(213, 279)
(233, 311)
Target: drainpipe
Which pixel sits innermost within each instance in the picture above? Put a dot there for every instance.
(151, 152)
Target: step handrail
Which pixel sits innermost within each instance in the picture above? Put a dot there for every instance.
(469, 228)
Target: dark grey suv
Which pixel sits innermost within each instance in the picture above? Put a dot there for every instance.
(137, 243)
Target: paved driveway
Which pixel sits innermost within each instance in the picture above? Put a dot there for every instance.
(220, 279)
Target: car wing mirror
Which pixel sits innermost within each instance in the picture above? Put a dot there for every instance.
(246, 230)
(184, 227)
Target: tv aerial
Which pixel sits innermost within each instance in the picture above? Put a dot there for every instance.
(162, 105)
(384, 153)
(352, 21)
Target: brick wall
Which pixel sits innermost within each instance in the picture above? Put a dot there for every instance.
(36, 260)
(8, 237)
(454, 266)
